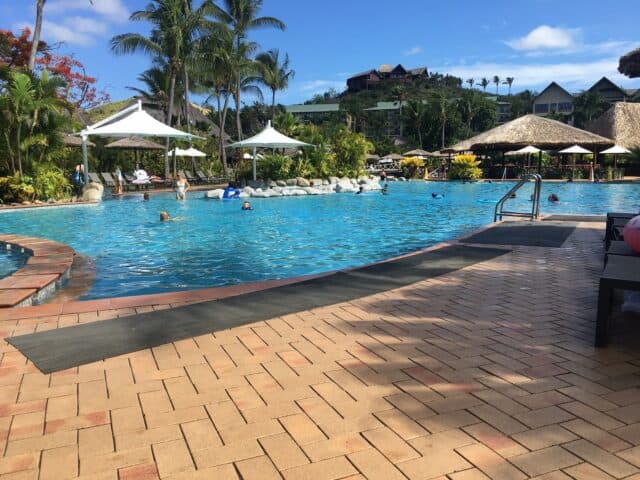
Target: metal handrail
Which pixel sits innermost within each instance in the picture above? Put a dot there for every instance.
(499, 211)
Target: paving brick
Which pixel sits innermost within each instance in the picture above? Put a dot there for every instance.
(438, 462)
(490, 462)
(258, 468)
(95, 440)
(401, 424)
(145, 471)
(544, 461)
(283, 451)
(172, 457)
(585, 471)
(544, 416)
(495, 440)
(447, 421)
(598, 436)
(214, 456)
(390, 445)
(335, 446)
(59, 463)
(601, 458)
(330, 469)
(19, 463)
(373, 465)
(544, 437)
(200, 434)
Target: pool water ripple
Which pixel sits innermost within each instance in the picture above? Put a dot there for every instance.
(217, 244)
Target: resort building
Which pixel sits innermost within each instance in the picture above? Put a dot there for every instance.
(317, 113)
(555, 99)
(383, 75)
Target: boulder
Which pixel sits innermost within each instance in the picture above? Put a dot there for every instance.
(363, 180)
(244, 195)
(315, 182)
(292, 182)
(298, 192)
(325, 182)
(92, 192)
(274, 193)
(281, 183)
(345, 186)
(216, 194)
(272, 184)
(312, 191)
(334, 180)
(303, 182)
(248, 190)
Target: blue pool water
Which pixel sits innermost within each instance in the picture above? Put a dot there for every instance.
(10, 260)
(218, 244)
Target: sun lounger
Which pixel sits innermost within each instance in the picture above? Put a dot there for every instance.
(203, 178)
(615, 223)
(94, 178)
(621, 248)
(108, 179)
(623, 273)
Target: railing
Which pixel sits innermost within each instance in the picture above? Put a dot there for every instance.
(535, 200)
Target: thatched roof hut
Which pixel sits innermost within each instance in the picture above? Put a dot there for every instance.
(620, 123)
(73, 141)
(418, 152)
(393, 156)
(135, 143)
(630, 64)
(531, 130)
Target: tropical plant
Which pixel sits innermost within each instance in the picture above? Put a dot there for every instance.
(274, 73)
(350, 151)
(411, 166)
(16, 189)
(286, 123)
(275, 166)
(470, 81)
(484, 83)
(476, 111)
(50, 182)
(588, 106)
(465, 167)
(416, 116)
(509, 81)
(496, 80)
(242, 17)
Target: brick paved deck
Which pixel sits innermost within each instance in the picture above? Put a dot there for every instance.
(487, 372)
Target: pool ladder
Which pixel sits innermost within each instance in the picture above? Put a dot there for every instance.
(535, 201)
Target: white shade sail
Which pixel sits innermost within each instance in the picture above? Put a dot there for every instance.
(617, 150)
(189, 152)
(575, 149)
(130, 122)
(270, 138)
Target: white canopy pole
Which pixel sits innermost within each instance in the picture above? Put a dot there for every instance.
(85, 159)
(254, 164)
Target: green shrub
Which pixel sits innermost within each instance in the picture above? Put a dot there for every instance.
(465, 167)
(274, 166)
(16, 189)
(410, 166)
(351, 151)
(50, 182)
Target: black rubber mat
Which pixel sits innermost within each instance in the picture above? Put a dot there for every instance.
(63, 348)
(575, 218)
(527, 234)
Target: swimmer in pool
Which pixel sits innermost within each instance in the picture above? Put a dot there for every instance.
(437, 195)
(553, 198)
(246, 206)
(164, 217)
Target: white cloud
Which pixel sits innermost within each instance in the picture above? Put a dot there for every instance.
(545, 37)
(412, 51)
(571, 75)
(86, 25)
(114, 10)
(72, 31)
(318, 86)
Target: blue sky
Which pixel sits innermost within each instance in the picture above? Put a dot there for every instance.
(574, 42)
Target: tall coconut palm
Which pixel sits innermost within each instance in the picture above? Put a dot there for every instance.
(274, 73)
(484, 83)
(470, 81)
(509, 81)
(416, 116)
(37, 29)
(242, 17)
(496, 80)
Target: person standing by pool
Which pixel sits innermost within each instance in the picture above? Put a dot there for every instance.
(119, 180)
(77, 182)
(182, 187)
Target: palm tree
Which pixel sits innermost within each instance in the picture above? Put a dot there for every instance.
(175, 32)
(156, 81)
(275, 73)
(470, 81)
(496, 80)
(509, 81)
(242, 17)
(36, 32)
(416, 115)
(484, 83)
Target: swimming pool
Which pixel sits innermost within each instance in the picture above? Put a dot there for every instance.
(218, 244)
(10, 260)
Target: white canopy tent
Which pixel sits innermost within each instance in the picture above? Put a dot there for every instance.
(189, 152)
(577, 149)
(268, 138)
(615, 151)
(524, 150)
(132, 121)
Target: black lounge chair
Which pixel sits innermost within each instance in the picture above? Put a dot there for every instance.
(623, 273)
(190, 178)
(94, 178)
(109, 181)
(203, 178)
(621, 248)
(615, 223)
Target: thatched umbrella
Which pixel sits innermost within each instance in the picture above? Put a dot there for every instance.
(73, 141)
(620, 123)
(531, 129)
(630, 64)
(135, 144)
(418, 152)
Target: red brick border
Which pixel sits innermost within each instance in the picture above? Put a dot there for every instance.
(46, 268)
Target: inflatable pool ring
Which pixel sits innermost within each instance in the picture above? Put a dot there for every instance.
(631, 234)
(438, 196)
(231, 192)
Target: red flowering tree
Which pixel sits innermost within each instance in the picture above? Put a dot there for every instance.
(80, 89)
(15, 49)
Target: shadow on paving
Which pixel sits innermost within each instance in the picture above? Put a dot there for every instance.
(64, 348)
